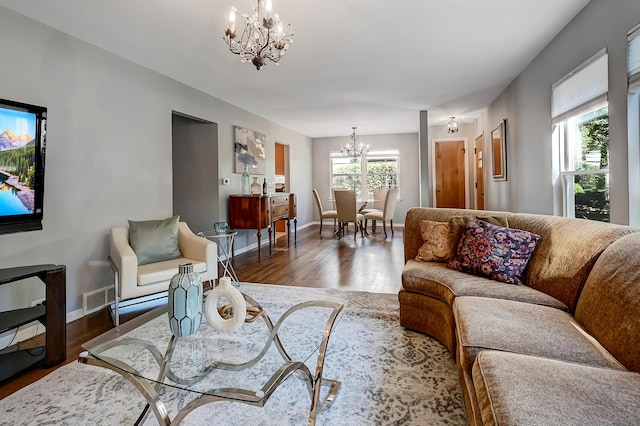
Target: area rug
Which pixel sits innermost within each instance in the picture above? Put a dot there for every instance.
(389, 375)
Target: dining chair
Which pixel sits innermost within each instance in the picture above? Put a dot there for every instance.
(379, 197)
(324, 214)
(347, 212)
(386, 213)
(333, 195)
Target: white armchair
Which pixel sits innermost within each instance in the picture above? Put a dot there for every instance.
(134, 281)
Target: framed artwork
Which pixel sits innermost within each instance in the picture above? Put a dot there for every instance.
(249, 150)
(499, 150)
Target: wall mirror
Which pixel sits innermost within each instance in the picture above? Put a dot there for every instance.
(499, 150)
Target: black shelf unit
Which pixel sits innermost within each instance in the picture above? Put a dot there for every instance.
(52, 316)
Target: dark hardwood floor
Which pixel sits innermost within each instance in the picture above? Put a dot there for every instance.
(371, 263)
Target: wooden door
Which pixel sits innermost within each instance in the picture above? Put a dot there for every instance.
(480, 161)
(450, 174)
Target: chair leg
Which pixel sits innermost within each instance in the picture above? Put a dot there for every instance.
(362, 229)
(391, 224)
(334, 224)
(320, 226)
(384, 227)
(116, 292)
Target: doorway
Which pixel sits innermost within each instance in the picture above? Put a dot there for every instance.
(451, 182)
(281, 180)
(194, 144)
(479, 169)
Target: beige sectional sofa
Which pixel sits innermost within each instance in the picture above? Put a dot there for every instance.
(563, 348)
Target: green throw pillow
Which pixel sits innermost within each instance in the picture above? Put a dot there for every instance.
(154, 240)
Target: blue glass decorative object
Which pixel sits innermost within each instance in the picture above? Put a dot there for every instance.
(185, 301)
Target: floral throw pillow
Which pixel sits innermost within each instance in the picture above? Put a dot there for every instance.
(496, 252)
(457, 225)
(437, 244)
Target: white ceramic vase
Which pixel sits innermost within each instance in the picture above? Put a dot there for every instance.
(225, 290)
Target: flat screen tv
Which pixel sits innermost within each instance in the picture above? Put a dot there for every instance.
(23, 131)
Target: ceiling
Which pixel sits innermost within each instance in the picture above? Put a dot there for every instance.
(364, 63)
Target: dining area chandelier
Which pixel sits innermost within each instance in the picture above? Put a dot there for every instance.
(353, 148)
(261, 36)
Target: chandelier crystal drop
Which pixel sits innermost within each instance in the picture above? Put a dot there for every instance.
(452, 126)
(354, 149)
(262, 36)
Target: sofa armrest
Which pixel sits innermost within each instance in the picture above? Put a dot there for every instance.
(123, 257)
(197, 248)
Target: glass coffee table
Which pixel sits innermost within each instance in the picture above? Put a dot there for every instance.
(244, 366)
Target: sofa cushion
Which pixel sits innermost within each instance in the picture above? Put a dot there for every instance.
(154, 240)
(435, 280)
(609, 305)
(437, 243)
(514, 389)
(567, 250)
(505, 325)
(494, 251)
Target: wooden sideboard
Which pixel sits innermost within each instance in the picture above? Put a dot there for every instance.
(261, 211)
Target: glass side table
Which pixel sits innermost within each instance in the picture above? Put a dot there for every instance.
(224, 242)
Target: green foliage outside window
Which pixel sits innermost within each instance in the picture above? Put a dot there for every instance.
(347, 176)
(592, 191)
(382, 175)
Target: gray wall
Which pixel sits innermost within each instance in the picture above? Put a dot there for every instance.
(406, 143)
(109, 150)
(526, 104)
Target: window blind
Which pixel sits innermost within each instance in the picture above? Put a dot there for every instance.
(633, 59)
(583, 87)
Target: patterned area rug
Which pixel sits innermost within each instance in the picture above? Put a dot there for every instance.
(389, 375)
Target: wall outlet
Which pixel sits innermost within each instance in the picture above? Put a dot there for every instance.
(37, 302)
(225, 181)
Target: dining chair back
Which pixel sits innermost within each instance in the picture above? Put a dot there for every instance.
(324, 214)
(379, 198)
(333, 195)
(347, 211)
(386, 213)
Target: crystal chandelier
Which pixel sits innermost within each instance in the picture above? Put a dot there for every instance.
(452, 126)
(263, 36)
(354, 149)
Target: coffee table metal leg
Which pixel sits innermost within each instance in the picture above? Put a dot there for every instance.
(129, 373)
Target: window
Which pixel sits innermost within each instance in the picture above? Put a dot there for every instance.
(633, 59)
(379, 169)
(633, 120)
(581, 133)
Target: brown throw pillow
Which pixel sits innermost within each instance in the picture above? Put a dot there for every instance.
(457, 225)
(436, 245)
